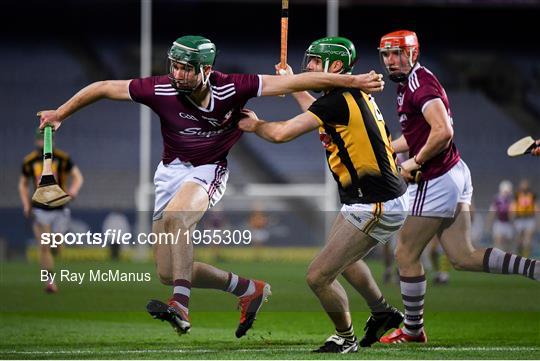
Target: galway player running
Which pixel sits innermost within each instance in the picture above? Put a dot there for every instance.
(440, 203)
(198, 110)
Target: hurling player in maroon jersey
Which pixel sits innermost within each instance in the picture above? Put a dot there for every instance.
(199, 109)
(440, 203)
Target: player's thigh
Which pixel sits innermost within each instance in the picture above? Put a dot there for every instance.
(61, 220)
(345, 246)
(415, 235)
(456, 236)
(188, 204)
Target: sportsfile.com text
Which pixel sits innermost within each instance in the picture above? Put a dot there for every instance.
(118, 237)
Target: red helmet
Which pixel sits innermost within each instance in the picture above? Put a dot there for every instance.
(399, 38)
(401, 41)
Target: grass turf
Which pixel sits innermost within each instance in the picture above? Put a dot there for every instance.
(477, 316)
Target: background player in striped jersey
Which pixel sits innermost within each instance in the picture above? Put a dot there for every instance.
(198, 109)
(440, 203)
(360, 156)
(524, 211)
(47, 220)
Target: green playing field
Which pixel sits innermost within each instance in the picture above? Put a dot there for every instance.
(476, 316)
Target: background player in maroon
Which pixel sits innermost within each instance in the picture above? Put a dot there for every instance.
(198, 110)
(440, 203)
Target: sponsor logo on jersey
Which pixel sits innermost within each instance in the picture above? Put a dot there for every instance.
(188, 116)
(213, 121)
(203, 133)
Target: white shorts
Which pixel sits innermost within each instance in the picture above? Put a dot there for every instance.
(169, 178)
(439, 197)
(526, 224)
(503, 229)
(57, 219)
(378, 220)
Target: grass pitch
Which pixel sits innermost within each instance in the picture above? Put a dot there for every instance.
(477, 316)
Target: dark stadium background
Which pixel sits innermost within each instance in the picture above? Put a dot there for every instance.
(484, 52)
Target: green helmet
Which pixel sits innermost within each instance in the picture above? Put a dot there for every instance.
(194, 52)
(329, 50)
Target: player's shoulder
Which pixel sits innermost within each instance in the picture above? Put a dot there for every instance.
(30, 157)
(420, 75)
(152, 82)
(219, 79)
(333, 96)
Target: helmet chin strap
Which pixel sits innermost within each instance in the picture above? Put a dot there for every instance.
(326, 65)
(204, 79)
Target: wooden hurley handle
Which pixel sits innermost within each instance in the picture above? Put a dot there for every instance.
(284, 32)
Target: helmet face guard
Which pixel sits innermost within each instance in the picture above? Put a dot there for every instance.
(187, 78)
(186, 59)
(395, 44)
(396, 75)
(329, 50)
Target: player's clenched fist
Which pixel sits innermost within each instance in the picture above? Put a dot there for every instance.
(370, 83)
(49, 117)
(281, 71)
(249, 121)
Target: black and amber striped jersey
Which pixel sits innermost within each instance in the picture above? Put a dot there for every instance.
(61, 166)
(358, 147)
(524, 204)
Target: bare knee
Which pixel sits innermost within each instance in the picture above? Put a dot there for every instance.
(164, 271)
(317, 279)
(404, 257)
(175, 220)
(462, 262)
(164, 277)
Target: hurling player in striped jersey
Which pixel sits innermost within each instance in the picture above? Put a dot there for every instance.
(199, 109)
(440, 203)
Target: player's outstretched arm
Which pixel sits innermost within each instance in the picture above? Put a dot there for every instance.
(303, 98)
(108, 89)
(276, 84)
(278, 132)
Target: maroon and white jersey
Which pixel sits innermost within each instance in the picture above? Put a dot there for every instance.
(414, 94)
(192, 133)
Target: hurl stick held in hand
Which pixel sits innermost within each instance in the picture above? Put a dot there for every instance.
(521, 147)
(48, 193)
(284, 33)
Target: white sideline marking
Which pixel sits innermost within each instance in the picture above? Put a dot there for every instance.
(269, 348)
